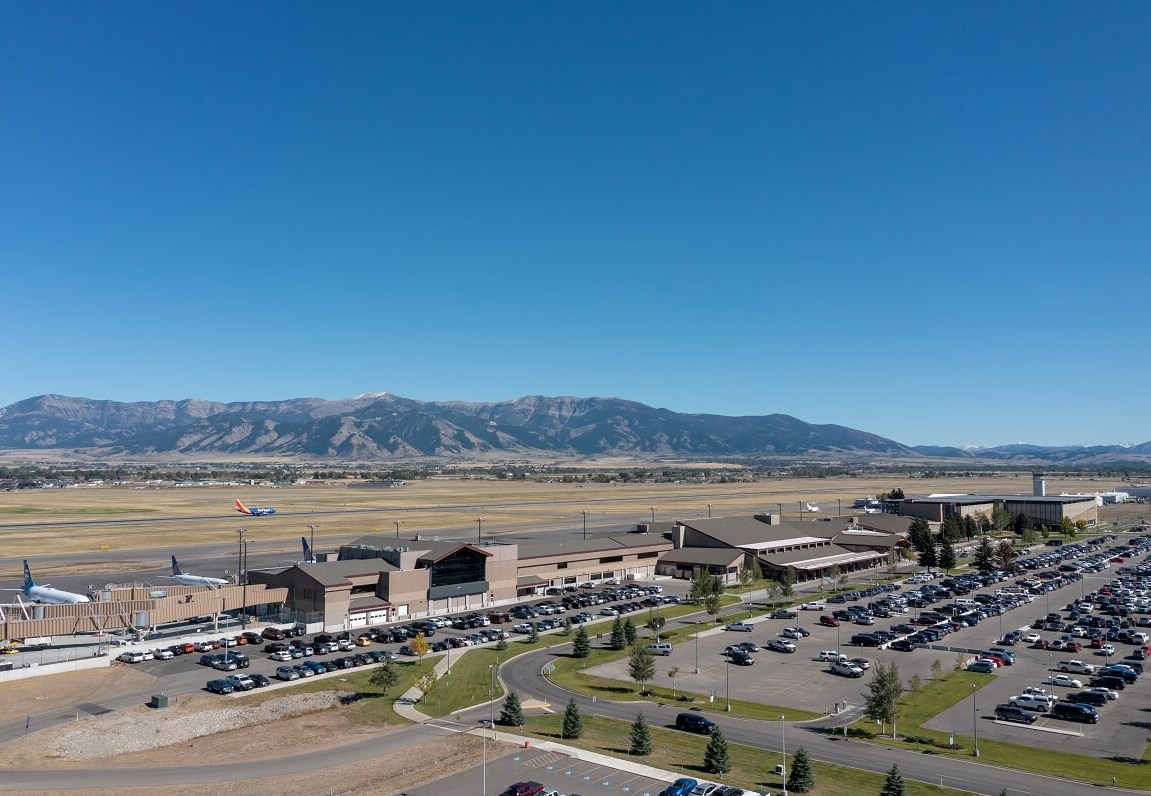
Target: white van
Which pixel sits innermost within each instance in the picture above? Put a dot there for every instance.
(831, 655)
(966, 602)
(659, 649)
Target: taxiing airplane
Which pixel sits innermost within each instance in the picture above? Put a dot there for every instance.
(193, 580)
(253, 511)
(870, 510)
(48, 595)
(810, 507)
(309, 555)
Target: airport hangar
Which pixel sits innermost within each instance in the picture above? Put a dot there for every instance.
(1042, 510)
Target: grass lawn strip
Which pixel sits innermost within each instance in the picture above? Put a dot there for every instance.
(751, 768)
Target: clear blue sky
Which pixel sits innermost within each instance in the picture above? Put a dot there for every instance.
(925, 220)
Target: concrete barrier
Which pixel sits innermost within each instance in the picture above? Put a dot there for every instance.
(42, 670)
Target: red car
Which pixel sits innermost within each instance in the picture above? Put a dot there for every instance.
(523, 789)
(829, 621)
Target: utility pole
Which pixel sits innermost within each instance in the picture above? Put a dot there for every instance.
(240, 569)
(397, 524)
(312, 539)
(479, 530)
(584, 513)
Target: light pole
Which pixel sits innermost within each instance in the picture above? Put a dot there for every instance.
(697, 646)
(491, 722)
(838, 641)
(709, 511)
(397, 524)
(783, 731)
(974, 723)
(727, 677)
(244, 624)
(312, 538)
(653, 515)
(240, 564)
(584, 513)
(479, 529)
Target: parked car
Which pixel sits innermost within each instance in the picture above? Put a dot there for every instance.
(681, 787)
(287, 673)
(1070, 711)
(1064, 680)
(220, 687)
(780, 645)
(983, 666)
(1014, 713)
(742, 627)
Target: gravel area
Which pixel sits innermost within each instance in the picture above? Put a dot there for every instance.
(123, 733)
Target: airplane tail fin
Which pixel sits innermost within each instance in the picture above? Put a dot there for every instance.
(175, 567)
(309, 556)
(28, 582)
(240, 507)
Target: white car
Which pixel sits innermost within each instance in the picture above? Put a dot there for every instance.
(846, 669)
(1032, 702)
(608, 612)
(1076, 667)
(282, 655)
(1108, 649)
(791, 632)
(1032, 638)
(131, 657)
(742, 627)
(813, 607)
(1036, 691)
(163, 655)
(1064, 680)
(148, 655)
(704, 789)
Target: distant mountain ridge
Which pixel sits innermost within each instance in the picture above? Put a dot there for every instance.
(381, 426)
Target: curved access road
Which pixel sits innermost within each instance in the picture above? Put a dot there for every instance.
(523, 674)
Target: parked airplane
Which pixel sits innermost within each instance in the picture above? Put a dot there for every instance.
(870, 510)
(253, 511)
(46, 594)
(309, 556)
(810, 507)
(193, 580)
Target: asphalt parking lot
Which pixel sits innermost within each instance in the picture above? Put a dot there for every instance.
(568, 775)
(797, 680)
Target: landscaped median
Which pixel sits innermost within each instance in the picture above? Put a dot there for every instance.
(683, 754)
(938, 695)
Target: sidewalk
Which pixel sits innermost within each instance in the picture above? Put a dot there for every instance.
(405, 704)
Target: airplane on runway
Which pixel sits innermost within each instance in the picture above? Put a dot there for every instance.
(193, 580)
(253, 511)
(810, 507)
(46, 594)
(309, 555)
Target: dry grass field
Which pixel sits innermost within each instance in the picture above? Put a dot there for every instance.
(88, 520)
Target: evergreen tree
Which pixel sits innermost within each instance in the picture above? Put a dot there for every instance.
(512, 713)
(641, 742)
(629, 631)
(928, 558)
(787, 582)
(970, 527)
(984, 559)
(946, 557)
(716, 759)
(581, 647)
(572, 726)
(1005, 556)
(801, 778)
(567, 631)
(640, 664)
(894, 785)
(952, 528)
(618, 639)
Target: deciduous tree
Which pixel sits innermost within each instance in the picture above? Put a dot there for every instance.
(882, 697)
(640, 664)
(385, 677)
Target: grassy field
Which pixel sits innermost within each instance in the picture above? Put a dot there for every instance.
(938, 695)
(751, 768)
(427, 506)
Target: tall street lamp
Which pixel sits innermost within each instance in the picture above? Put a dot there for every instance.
(727, 677)
(584, 513)
(709, 511)
(312, 539)
(974, 723)
(653, 515)
(245, 588)
(783, 732)
(240, 564)
(397, 524)
(479, 529)
(697, 646)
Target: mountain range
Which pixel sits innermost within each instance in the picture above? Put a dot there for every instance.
(381, 426)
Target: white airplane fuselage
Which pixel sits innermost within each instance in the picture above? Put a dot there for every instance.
(198, 580)
(50, 596)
